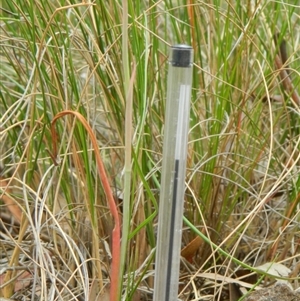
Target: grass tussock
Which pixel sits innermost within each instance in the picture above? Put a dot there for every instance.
(101, 67)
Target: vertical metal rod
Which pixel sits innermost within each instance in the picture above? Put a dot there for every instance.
(167, 260)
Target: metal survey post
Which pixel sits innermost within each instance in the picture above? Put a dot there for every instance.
(167, 262)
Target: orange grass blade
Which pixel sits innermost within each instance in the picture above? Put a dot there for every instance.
(115, 266)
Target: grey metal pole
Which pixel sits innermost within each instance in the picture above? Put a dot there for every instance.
(167, 262)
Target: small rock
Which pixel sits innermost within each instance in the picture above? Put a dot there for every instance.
(277, 292)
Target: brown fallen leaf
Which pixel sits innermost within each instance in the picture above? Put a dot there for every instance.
(23, 280)
(96, 295)
(11, 205)
(189, 251)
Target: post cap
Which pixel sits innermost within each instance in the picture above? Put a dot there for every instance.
(181, 55)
